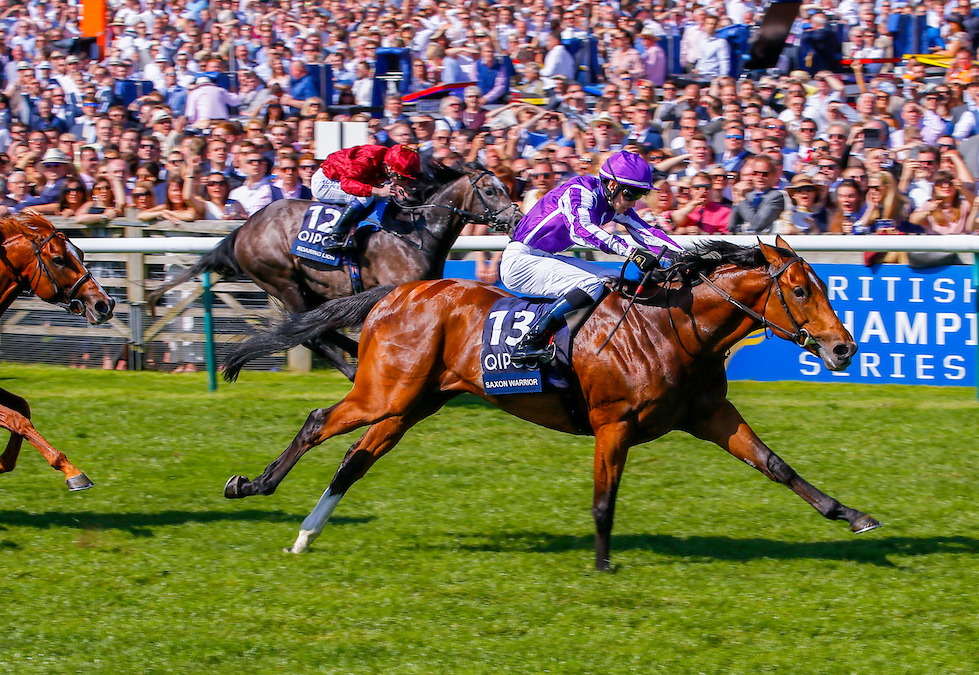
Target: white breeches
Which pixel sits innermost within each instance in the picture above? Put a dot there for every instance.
(329, 190)
(527, 270)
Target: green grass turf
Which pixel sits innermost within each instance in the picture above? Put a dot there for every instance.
(469, 548)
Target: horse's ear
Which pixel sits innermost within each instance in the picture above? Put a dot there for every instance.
(771, 254)
(781, 243)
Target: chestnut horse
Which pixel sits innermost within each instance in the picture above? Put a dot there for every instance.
(412, 243)
(39, 258)
(663, 369)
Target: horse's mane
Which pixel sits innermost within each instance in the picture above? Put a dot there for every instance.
(710, 255)
(28, 222)
(435, 175)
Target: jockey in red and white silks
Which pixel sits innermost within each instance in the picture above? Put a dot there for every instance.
(573, 214)
(356, 176)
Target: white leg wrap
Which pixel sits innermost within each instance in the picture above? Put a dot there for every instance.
(315, 521)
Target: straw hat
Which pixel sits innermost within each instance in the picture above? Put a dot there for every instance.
(55, 156)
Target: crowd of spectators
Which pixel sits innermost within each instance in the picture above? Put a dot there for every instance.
(792, 153)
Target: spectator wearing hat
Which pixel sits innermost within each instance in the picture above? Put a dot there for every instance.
(803, 215)
(208, 102)
(651, 56)
(608, 133)
(55, 166)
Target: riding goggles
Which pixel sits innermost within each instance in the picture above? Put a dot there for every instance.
(394, 175)
(633, 194)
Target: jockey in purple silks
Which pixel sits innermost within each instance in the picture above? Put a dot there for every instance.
(573, 215)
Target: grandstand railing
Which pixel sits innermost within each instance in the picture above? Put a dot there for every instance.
(197, 323)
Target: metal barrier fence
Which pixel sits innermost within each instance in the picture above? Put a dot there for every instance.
(171, 337)
(177, 335)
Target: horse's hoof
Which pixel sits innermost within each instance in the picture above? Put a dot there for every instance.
(79, 482)
(232, 489)
(863, 524)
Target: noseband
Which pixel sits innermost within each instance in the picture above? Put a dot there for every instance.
(66, 299)
(798, 334)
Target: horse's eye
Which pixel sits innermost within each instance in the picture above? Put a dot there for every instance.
(490, 192)
(800, 292)
(58, 260)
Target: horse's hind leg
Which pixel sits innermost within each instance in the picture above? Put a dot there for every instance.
(19, 425)
(361, 456)
(727, 428)
(322, 423)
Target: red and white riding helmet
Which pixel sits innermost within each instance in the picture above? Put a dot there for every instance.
(403, 161)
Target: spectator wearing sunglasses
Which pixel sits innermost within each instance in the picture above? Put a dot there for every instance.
(55, 168)
(757, 211)
(735, 153)
(702, 214)
(217, 206)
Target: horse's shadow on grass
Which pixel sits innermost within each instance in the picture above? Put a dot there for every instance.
(872, 550)
(142, 524)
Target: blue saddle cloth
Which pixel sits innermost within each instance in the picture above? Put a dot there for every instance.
(508, 320)
(319, 217)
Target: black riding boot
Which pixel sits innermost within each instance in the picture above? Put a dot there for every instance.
(533, 348)
(336, 236)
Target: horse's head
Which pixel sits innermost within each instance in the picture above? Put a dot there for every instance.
(799, 301)
(492, 197)
(54, 268)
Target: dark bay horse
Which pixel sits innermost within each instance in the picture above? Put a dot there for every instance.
(38, 257)
(662, 370)
(412, 244)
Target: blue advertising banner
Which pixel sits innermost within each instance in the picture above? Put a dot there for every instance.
(911, 327)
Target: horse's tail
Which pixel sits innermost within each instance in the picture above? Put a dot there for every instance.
(221, 260)
(300, 328)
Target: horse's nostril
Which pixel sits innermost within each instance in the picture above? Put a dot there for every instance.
(102, 307)
(843, 349)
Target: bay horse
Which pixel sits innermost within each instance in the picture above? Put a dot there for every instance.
(37, 257)
(663, 369)
(411, 244)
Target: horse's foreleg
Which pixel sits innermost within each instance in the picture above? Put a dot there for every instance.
(321, 424)
(19, 425)
(8, 460)
(611, 451)
(727, 428)
(361, 456)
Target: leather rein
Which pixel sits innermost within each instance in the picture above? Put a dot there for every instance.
(798, 334)
(67, 299)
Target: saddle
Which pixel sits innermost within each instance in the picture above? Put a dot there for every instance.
(318, 220)
(505, 324)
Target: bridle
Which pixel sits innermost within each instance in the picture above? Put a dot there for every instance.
(65, 298)
(489, 216)
(798, 334)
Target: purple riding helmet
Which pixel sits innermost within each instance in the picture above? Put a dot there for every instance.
(631, 173)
